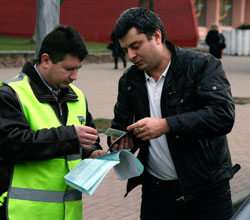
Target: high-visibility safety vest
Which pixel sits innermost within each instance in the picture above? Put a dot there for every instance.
(38, 189)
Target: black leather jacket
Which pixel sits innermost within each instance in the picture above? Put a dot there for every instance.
(197, 103)
(18, 142)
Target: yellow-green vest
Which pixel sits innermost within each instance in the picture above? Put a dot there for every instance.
(38, 189)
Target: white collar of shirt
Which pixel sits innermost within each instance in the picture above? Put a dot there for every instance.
(164, 74)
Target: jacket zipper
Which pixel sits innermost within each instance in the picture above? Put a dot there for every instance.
(60, 108)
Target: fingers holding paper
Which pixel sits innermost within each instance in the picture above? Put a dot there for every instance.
(87, 136)
(97, 153)
(124, 143)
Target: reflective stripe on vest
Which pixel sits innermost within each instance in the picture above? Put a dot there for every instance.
(44, 196)
(38, 189)
(2, 197)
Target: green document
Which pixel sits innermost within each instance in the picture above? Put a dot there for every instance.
(89, 173)
(114, 132)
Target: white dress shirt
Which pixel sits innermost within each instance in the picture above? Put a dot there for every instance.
(160, 163)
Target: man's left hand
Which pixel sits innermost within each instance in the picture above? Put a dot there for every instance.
(149, 128)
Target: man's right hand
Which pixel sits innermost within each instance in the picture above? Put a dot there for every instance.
(87, 136)
(124, 143)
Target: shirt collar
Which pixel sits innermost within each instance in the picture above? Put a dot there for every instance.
(164, 74)
(54, 91)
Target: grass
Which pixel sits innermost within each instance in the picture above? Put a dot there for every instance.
(96, 46)
(241, 100)
(23, 44)
(16, 43)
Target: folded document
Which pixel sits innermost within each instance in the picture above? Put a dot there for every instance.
(89, 173)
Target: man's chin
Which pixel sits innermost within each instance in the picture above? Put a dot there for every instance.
(65, 85)
(141, 67)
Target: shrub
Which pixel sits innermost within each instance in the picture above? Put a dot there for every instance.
(244, 26)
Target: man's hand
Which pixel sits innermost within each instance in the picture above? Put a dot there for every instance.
(149, 128)
(124, 143)
(87, 136)
(97, 153)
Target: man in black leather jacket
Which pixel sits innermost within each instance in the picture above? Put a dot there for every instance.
(56, 67)
(179, 105)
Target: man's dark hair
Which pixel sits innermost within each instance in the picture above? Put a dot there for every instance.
(144, 20)
(61, 41)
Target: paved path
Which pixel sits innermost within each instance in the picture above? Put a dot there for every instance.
(99, 83)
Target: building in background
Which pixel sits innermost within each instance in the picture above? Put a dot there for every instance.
(96, 19)
(187, 21)
(228, 14)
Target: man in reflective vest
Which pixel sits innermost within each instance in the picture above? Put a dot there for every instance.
(45, 130)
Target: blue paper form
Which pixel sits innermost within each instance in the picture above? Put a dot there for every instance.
(89, 173)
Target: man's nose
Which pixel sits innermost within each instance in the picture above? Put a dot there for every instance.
(131, 54)
(74, 74)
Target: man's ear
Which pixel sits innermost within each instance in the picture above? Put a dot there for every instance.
(158, 35)
(45, 60)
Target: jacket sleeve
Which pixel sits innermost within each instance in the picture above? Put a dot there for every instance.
(122, 110)
(123, 113)
(214, 112)
(19, 142)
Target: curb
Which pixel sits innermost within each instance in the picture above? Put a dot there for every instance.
(12, 59)
(239, 198)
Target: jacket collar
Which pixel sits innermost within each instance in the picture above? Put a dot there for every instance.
(41, 91)
(175, 69)
(176, 66)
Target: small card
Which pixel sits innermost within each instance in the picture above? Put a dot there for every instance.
(114, 132)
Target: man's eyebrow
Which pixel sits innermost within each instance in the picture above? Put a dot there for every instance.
(135, 42)
(131, 45)
(72, 67)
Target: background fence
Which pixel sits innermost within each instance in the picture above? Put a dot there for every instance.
(238, 42)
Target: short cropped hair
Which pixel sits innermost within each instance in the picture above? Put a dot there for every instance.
(144, 20)
(63, 40)
(214, 27)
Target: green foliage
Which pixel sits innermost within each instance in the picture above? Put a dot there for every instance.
(244, 27)
(25, 44)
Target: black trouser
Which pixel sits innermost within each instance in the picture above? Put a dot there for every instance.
(116, 62)
(162, 200)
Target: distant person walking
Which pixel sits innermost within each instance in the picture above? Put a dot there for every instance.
(117, 51)
(215, 41)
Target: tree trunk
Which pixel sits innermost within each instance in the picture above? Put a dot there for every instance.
(143, 3)
(33, 39)
(48, 13)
